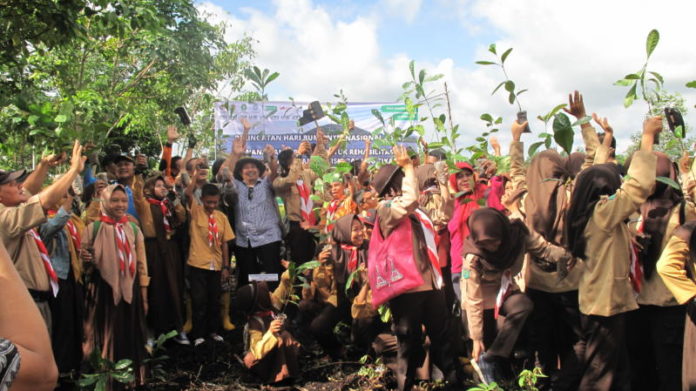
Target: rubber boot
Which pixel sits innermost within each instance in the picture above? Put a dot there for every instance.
(188, 326)
(227, 324)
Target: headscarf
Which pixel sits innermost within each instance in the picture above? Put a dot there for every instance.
(592, 183)
(464, 206)
(496, 190)
(114, 268)
(574, 163)
(345, 255)
(547, 202)
(493, 224)
(255, 299)
(656, 211)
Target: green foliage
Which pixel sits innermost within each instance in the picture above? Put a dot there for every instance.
(105, 372)
(298, 280)
(637, 81)
(157, 356)
(526, 381)
(113, 74)
(563, 132)
(507, 84)
(372, 373)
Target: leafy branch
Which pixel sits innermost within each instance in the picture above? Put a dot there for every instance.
(507, 84)
(638, 79)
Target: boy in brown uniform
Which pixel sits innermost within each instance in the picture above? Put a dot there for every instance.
(208, 259)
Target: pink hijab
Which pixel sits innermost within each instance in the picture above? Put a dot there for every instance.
(464, 206)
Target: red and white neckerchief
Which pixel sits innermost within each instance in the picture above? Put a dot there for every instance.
(213, 233)
(503, 292)
(636, 270)
(74, 235)
(353, 260)
(52, 276)
(331, 210)
(431, 244)
(306, 203)
(123, 248)
(165, 212)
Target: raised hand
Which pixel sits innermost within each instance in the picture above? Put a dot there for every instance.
(603, 123)
(172, 134)
(53, 160)
(401, 156)
(238, 146)
(576, 105)
(496, 145)
(517, 130)
(77, 161)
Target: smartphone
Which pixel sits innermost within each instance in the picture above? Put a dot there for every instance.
(183, 115)
(522, 117)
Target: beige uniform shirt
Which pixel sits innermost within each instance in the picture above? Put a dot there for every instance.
(605, 288)
(286, 188)
(532, 276)
(673, 266)
(15, 223)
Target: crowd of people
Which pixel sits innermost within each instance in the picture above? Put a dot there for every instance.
(576, 264)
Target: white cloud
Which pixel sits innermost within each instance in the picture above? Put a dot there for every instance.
(407, 9)
(558, 47)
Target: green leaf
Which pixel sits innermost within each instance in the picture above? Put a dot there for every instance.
(658, 77)
(557, 109)
(520, 92)
(486, 63)
(630, 96)
(491, 48)
(651, 42)
(486, 117)
(411, 66)
(101, 384)
(60, 118)
(668, 181)
(624, 82)
(421, 76)
(273, 76)
(123, 364)
(679, 132)
(509, 86)
(88, 380)
(349, 280)
(691, 84)
(434, 145)
(632, 76)
(308, 266)
(505, 55)
(319, 165)
(563, 132)
(331, 177)
(343, 167)
(498, 87)
(511, 98)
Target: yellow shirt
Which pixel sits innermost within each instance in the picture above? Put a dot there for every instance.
(201, 254)
(675, 266)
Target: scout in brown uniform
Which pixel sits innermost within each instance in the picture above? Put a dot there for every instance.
(545, 189)
(655, 337)
(596, 233)
(677, 267)
(208, 259)
(20, 213)
(116, 288)
(271, 351)
(295, 185)
(493, 255)
(160, 220)
(423, 305)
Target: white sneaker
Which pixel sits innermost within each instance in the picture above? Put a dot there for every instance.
(182, 339)
(217, 337)
(198, 341)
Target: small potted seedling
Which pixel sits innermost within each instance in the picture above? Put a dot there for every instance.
(507, 84)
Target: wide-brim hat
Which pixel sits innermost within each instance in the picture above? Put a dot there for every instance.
(244, 161)
(383, 176)
(9, 176)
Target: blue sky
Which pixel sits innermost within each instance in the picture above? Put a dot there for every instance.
(363, 47)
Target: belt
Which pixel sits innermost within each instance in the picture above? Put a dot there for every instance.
(40, 296)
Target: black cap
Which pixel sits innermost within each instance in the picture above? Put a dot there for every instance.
(120, 158)
(9, 176)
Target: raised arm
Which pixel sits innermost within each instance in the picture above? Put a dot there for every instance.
(52, 194)
(363, 175)
(36, 179)
(172, 136)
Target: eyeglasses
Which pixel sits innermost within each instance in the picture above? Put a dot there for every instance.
(250, 193)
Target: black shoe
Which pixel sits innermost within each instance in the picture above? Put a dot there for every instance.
(494, 369)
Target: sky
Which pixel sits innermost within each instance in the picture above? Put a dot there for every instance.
(363, 48)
